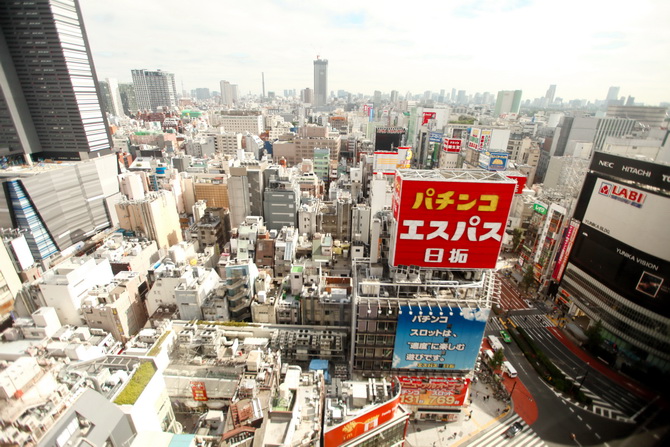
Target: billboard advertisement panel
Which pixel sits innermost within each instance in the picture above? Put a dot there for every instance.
(493, 161)
(387, 138)
(452, 145)
(633, 216)
(564, 252)
(364, 423)
(640, 277)
(424, 341)
(199, 391)
(404, 157)
(630, 169)
(433, 391)
(427, 116)
(435, 137)
(519, 178)
(450, 224)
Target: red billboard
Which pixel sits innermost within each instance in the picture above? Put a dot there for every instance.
(428, 116)
(450, 223)
(433, 391)
(519, 178)
(364, 423)
(566, 247)
(452, 145)
(199, 391)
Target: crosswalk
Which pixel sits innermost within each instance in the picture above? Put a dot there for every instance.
(496, 436)
(529, 321)
(524, 321)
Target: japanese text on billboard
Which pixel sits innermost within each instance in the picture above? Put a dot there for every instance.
(433, 391)
(425, 341)
(450, 224)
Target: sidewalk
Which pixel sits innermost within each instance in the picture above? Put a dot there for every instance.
(485, 415)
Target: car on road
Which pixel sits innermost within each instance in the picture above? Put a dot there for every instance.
(513, 430)
(505, 336)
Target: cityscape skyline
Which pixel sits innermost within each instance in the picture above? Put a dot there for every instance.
(364, 46)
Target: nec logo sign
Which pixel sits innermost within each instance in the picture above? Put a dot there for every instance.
(607, 164)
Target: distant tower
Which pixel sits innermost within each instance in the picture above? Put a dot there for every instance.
(226, 94)
(612, 94)
(154, 89)
(320, 81)
(551, 92)
(508, 101)
(263, 77)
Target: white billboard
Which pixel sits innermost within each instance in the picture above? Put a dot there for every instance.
(631, 215)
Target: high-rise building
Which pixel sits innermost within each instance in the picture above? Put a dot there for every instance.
(394, 96)
(59, 204)
(551, 93)
(128, 100)
(155, 217)
(307, 95)
(49, 98)
(612, 94)
(226, 94)
(111, 97)
(320, 81)
(617, 272)
(154, 89)
(508, 101)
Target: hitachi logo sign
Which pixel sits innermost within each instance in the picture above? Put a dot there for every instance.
(607, 164)
(622, 194)
(636, 171)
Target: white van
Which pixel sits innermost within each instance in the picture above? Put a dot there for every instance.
(494, 342)
(489, 354)
(507, 366)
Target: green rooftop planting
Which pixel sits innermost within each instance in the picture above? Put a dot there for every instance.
(136, 384)
(157, 347)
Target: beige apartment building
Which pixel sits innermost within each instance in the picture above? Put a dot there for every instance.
(154, 217)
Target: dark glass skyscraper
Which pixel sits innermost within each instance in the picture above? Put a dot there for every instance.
(49, 96)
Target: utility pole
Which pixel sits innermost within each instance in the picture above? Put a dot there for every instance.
(583, 378)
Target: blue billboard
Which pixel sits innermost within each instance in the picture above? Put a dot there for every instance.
(435, 137)
(424, 341)
(493, 161)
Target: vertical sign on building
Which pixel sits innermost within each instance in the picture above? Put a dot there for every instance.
(199, 391)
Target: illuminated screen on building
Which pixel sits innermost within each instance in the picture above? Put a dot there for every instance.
(433, 391)
(424, 341)
(388, 137)
(449, 223)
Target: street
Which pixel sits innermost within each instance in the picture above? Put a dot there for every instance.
(614, 418)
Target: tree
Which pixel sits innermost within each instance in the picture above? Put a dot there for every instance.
(528, 277)
(595, 335)
(497, 360)
(516, 239)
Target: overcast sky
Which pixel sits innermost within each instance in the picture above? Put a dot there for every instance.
(582, 46)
